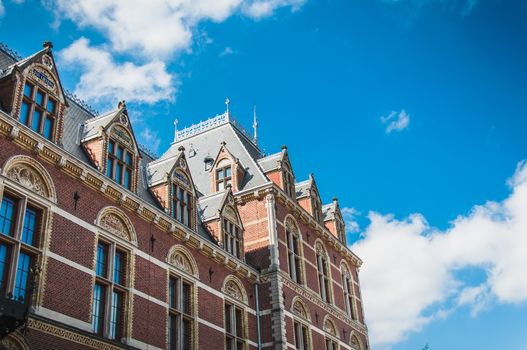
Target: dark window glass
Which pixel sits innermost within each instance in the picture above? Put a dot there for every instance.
(48, 128)
(35, 123)
(22, 276)
(7, 216)
(27, 90)
(24, 113)
(4, 266)
(100, 267)
(98, 309)
(116, 314)
(30, 228)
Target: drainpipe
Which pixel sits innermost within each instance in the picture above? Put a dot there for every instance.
(257, 317)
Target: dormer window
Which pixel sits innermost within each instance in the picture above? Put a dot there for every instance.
(119, 165)
(317, 207)
(232, 239)
(289, 182)
(38, 110)
(181, 205)
(223, 175)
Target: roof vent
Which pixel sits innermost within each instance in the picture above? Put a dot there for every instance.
(209, 161)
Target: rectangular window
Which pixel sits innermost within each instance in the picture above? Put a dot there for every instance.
(50, 106)
(47, 132)
(35, 122)
(118, 267)
(30, 229)
(102, 260)
(7, 216)
(119, 165)
(24, 112)
(234, 327)
(301, 336)
(38, 111)
(39, 98)
(116, 316)
(181, 316)
(27, 90)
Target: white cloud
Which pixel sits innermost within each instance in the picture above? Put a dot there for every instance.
(408, 277)
(158, 28)
(349, 215)
(103, 79)
(150, 139)
(396, 121)
(226, 52)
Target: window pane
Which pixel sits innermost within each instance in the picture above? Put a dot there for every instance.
(228, 320)
(100, 266)
(35, 123)
(39, 98)
(7, 216)
(115, 319)
(187, 334)
(173, 292)
(50, 106)
(118, 267)
(228, 172)
(111, 146)
(128, 158)
(127, 177)
(24, 113)
(109, 167)
(27, 90)
(4, 266)
(30, 226)
(173, 332)
(118, 172)
(298, 336)
(239, 323)
(48, 128)
(22, 276)
(220, 186)
(98, 309)
(219, 174)
(304, 337)
(239, 345)
(120, 152)
(187, 298)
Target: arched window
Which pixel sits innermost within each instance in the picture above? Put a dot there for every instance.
(332, 336)
(181, 293)
(23, 223)
(112, 268)
(39, 110)
(223, 174)
(324, 280)
(341, 228)
(347, 288)
(236, 331)
(182, 199)
(317, 206)
(294, 254)
(301, 323)
(120, 163)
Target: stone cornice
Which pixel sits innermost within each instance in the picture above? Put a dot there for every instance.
(42, 148)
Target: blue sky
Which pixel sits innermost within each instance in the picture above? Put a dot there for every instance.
(412, 112)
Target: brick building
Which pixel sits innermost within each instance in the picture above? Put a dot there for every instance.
(213, 245)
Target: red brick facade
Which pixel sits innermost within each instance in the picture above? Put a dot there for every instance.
(81, 207)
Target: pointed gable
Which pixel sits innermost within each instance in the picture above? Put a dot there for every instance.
(277, 167)
(31, 92)
(109, 142)
(309, 198)
(333, 220)
(226, 170)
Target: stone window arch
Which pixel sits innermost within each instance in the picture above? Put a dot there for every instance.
(233, 288)
(295, 251)
(355, 342)
(301, 322)
(235, 314)
(180, 258)
(116, 222)
(332, 334)
(14, 341)
(30, 174)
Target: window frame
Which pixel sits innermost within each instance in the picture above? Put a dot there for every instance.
(324, 275)
(349, 295)
(185, 207)
(232, 238)
(243, 339)
(16, 246)
(116, 161)
(294, 258)
(289, 181)
(306, 334)
(179, 311)
(110, 288)
(225, 179)
(33, 105)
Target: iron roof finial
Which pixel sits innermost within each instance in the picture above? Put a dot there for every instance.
(176, 122)
(255, 127)
(227, 102)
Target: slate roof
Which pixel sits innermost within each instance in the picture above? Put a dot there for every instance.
(209, 205)
(302, 188)
(92, 125)
(207, 144)
(159, 168)
(328, 211)
(270, 162)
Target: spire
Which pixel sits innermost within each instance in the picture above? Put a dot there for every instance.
(176, 122)
(227, 102)
(255, 127)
